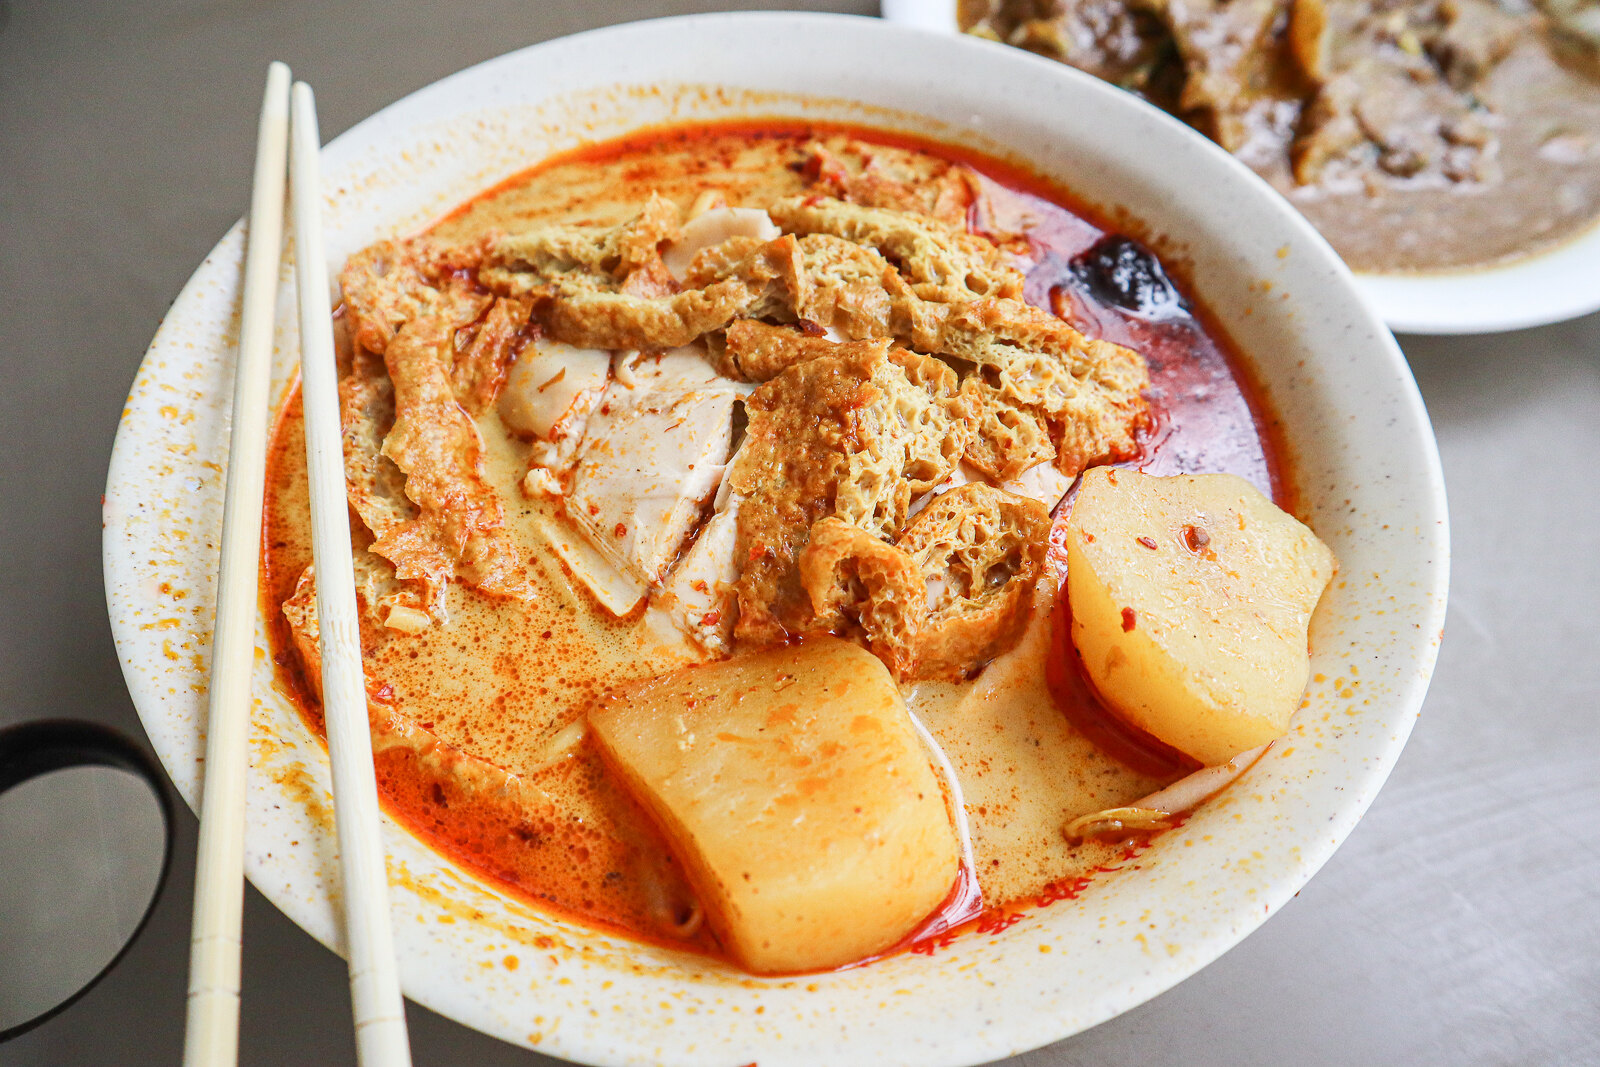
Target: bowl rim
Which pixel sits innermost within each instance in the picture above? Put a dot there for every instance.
(954, 1037)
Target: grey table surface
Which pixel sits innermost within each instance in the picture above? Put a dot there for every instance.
(1459, 925)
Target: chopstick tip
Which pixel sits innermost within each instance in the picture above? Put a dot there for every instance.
(303, 110)
(275, 104)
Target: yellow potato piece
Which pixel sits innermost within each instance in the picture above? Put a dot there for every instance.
(1191, 597)
(792, 786)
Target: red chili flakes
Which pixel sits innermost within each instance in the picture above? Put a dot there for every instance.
(711, 618)
(383, 693)
(1066, 889)
(933, 944)
(1195, 538)
(994, 922)
(594, 509)
(621, 530)
(1130, 619)
(811, 328)
(1148, 542)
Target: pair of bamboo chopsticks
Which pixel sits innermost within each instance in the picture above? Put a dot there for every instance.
(212, 1034)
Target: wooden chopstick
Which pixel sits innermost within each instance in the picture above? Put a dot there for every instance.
(374, 981)
(211, 1035)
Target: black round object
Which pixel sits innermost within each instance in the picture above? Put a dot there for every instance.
(68, 748)
(1121, 272)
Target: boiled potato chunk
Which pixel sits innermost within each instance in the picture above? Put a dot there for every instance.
(1191, 597)
(792, 787)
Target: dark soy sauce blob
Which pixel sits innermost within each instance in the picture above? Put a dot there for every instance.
(1123, 273)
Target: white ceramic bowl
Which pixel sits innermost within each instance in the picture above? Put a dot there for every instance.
(1559, 283)
(1359, 440)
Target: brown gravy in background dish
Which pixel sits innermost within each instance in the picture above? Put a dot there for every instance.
(474, 719)
(1415, 134)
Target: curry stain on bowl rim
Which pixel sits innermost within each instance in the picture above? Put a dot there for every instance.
(1366, 463)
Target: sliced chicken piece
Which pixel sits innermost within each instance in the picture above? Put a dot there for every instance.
(545, 390)
(618, 591)
(678, 370)
(649, 451)
(699, 592)
(712, 228)
(649, 462)
(699, 595)
(1042, 482)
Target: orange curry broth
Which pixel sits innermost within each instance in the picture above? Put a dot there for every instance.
(1208, 415)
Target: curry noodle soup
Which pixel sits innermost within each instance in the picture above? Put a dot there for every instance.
(669, 403)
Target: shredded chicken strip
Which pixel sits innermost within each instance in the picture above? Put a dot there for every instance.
(459, 518)
(482, 365)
